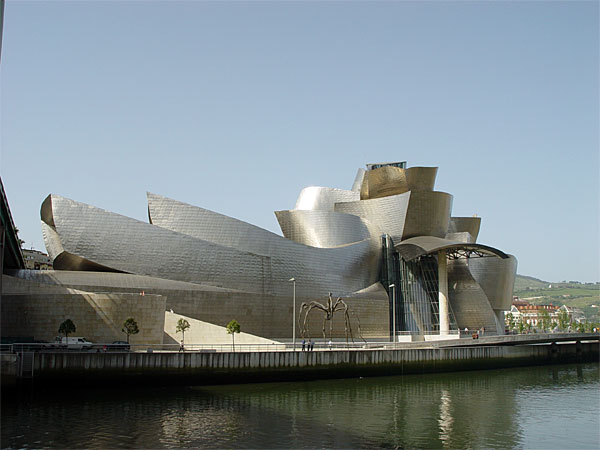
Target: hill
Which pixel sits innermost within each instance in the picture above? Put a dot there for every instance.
(585, 296)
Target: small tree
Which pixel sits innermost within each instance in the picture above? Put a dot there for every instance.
(182, 327)
(563, 320)
(521, 326)
(130, 327)
(66, 328)
(232, 328)
(510, 321)
(544, 320)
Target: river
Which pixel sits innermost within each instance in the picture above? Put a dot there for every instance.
(546, 407)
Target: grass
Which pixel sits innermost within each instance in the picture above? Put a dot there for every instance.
(576, 295)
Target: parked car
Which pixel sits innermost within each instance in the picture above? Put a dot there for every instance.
(118, 346)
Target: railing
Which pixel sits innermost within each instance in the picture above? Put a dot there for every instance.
(404, 339)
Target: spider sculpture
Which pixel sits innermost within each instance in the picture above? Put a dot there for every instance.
(329, 309)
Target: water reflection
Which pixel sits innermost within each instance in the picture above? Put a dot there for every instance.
(491, 409)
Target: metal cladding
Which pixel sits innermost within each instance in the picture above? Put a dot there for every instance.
(402, 216)
(199, 254)
(468, 301)
(389, 180)
(332, 242)
(323, 198)
(496, 276)
(459, 225)
(319, 228)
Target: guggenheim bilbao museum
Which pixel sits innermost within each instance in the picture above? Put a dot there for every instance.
(389, 247)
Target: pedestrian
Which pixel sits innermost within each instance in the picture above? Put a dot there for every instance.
(309, 345)
(330, 344)
(303, 344)
(181, 348)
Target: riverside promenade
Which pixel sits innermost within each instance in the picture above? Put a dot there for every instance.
(220, 367)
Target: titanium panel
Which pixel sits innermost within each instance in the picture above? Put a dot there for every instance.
(415, 213)
(210, 226)
(461, 237)
(324, 198)
(125, 244)
(470, 225)
(388, 213)
(496, 277)
(468, 301)
(389, 180)
(111, 281)
(324, 229)
(358, 180)
(428, 214)
(51, 240)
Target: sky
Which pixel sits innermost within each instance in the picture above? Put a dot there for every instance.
(237, 106)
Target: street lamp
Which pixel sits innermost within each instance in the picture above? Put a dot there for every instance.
(293, 280)
(392, 287)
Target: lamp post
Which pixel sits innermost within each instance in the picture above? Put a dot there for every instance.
(392, 287)
(293, 280)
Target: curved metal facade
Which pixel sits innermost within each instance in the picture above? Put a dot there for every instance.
(403, 216)
(324, 229)
(390, 180)
(332, 242)
(469, 225)
(324, 198)
(180, 251)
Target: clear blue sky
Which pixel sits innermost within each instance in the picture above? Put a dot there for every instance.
(236, 106)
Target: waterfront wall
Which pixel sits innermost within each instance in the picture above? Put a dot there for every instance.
(242, 367)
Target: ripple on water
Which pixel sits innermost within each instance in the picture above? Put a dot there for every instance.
(537, 407)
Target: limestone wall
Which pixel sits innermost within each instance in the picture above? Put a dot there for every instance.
(263, 315)
(202, 333)
(98, 316)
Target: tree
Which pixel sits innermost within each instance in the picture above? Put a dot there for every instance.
(182, 327)
(510, 321)
(232, 328)
(66, 328)
(521, 326)
(544, 320)
(563, 319)
(130, 327)
(19, 240)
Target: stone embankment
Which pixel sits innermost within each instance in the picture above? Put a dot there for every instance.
(196, 368)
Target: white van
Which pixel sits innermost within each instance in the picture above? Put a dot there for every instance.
(77, 343)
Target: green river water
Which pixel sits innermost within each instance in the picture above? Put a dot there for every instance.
(546, 407)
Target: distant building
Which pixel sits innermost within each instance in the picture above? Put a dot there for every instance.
(575, 314)
(532, 314)
(36, 260)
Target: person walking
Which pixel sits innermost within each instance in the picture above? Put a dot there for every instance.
(303, 345)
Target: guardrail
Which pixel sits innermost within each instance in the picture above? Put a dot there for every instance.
(25, 347)
(149, 348)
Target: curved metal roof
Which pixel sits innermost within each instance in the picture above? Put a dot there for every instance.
(412, 248)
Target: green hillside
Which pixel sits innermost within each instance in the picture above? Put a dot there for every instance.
(578, 295)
